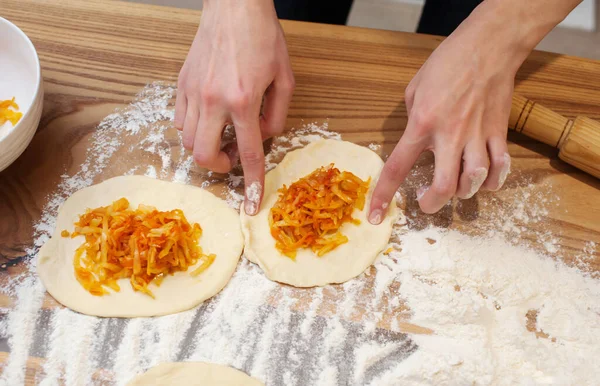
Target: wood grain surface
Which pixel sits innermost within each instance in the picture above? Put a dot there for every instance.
(96, 55)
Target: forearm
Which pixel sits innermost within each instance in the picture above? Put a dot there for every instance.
(510, 29)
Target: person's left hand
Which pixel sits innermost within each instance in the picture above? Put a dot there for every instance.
(458, 107)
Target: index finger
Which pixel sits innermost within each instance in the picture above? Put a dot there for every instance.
(393, 173)
(252, 157)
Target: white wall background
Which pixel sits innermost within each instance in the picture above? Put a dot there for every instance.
(583, 17)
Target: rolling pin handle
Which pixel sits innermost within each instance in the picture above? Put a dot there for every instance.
(578, 140)
(581, 146)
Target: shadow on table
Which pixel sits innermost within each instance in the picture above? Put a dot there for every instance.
(536, 62)
(556, 164)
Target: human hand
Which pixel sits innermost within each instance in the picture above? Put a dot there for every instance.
(238, 54)
(458, 107)
(459, 103)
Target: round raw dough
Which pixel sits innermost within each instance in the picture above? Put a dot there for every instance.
(193, 374)
(365, 241)
(221, 235)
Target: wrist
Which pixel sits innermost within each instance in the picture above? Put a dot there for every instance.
(496, 33)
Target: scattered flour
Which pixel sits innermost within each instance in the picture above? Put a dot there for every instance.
(253, 193)
(375, 147)
(477, 179)
(20, 328)
(500, 313)
(183, 170)
(584, 259)
(476, 294)
(73, 365)
(234, 199)
(151, 172)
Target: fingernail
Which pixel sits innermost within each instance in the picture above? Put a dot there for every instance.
(477, 179)
(253, 193)
(376, 216)
(421, 192)
(504, 172)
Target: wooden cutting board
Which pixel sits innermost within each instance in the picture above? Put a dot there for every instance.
(96, 55)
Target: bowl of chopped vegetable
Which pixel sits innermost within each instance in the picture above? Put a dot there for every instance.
(21, 92)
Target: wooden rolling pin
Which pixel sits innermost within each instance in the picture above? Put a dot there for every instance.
(578, 141)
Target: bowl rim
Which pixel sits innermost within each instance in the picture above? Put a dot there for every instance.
(38, 74)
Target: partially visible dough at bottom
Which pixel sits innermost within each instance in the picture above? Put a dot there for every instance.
(193, 374)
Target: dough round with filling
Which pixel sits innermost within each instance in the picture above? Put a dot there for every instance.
(365, 241)
(193, 374)
(221, 235)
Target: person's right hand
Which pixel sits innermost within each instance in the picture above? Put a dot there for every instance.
(238, 54)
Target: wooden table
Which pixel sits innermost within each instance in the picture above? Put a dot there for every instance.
(96, 55)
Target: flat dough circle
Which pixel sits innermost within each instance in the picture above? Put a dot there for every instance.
(193, 374)
(221, 235)
(348, 260)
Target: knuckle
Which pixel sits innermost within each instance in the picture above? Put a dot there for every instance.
(477, 172)
(423, 119)
(273, 128)
(240, 100)
(289, 85)
(250, 158)
(276, 130)
(498, 160)
(391, 169)
(187, 143)
(270, 131)
(208, 95)
(203, 158)
(444, 188)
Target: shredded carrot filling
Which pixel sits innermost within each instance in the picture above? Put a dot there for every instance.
(6, 114)
(311, 211)
(143, 245)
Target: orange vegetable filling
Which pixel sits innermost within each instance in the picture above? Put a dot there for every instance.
(311, 211)
(6, 114)
(143, 245)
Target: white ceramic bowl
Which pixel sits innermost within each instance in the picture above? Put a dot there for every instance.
(20, 77)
